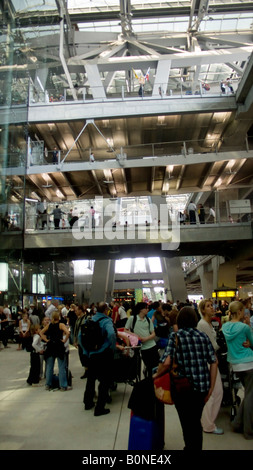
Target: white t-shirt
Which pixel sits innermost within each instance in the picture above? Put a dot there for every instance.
(37, 344)
(64, 312)
(242, 366)
(205, 327)
(192, 207)
(50, 310)
(122, 313)
(7, 312)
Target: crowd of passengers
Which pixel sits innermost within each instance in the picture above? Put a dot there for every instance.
(157, 324)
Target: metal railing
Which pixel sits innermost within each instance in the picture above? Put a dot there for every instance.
(40, 155)
(180, 89)
(134, 152)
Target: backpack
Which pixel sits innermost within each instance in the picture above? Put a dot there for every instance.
(91, 335)
(134, 321)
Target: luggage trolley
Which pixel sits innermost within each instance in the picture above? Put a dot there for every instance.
(127, 365)
(231, 383)
(127, 362)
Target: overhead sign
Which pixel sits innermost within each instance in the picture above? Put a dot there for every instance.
(242, 206)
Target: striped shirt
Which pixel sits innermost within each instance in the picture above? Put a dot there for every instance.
(194, 353)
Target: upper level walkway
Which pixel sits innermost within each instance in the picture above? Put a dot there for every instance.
(132, 156)
(100, 240)
(121, 106)
(64, 108)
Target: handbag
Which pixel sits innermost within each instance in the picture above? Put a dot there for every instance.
(162, 389)
(142, 399)
(179, 383)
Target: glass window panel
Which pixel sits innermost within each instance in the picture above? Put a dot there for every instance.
(28, 5)
(123, 266)
(211, 25)
(38, 284)
(139, 265)
(3, 277)
(155, 265)
(229, 24)
(82, 267)
(244, 23)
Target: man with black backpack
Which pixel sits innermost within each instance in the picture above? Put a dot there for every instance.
(97, 338)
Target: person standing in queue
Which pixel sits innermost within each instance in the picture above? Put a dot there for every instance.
(212, 407)
(139, 324)
(239, 339)
(197, 362)
(55, 335)
(100, 363)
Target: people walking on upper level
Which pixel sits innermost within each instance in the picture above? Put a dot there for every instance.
(192, 212)
(92, 214)
(73, 216)
(201, 213)
(141, 91)
(57, 213)
(55, 156)
(211, 216)
(229, 85)
(223, 87)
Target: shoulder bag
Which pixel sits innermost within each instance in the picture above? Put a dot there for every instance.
(162, 386)
(179, 383)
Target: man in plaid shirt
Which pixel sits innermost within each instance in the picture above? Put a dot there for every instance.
(197, 361)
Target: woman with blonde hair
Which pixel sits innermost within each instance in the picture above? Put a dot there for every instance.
(237, 335)
(55, 334)
(212, 407)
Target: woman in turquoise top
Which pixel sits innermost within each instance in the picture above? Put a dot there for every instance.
(238, 336)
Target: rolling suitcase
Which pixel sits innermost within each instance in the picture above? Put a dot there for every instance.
(147, 434)
(146, 430)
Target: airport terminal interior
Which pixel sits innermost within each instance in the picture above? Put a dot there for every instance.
(126, 157)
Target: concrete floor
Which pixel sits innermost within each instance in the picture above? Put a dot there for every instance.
(32, 418)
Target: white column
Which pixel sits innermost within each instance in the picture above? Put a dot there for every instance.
(161, 78)
(95, 81)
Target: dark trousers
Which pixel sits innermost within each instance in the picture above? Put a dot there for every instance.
(34, 374)
(83, 358)
(192, 217)
(100, 368)
(189, 406)
(150, 358)
(4, 337)
(56, 223)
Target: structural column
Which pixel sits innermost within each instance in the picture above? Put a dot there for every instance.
(206, 280)
(173, 269)
(102, 281)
